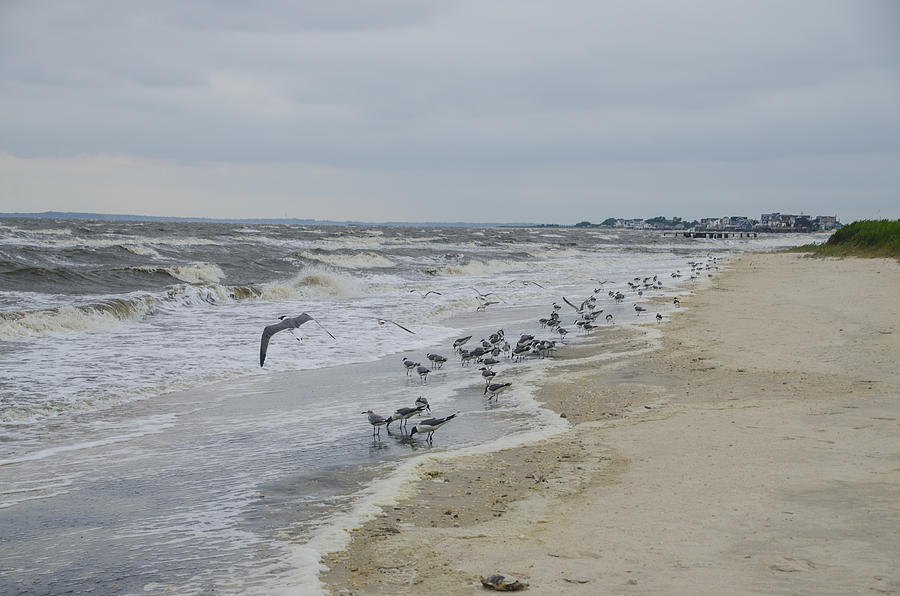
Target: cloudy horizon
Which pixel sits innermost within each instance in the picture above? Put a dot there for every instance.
(451, 111)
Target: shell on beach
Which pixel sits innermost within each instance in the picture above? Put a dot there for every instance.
(502, 583)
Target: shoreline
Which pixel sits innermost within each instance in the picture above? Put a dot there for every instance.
(673, 477)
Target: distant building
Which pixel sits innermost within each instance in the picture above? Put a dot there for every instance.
(827, 222)
(778, 221)
(767, 219)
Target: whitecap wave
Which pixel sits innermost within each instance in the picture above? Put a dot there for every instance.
(315, 281)
(196, 273)
(140, 249)
(362, 260)
(94, 318)
(477, 267)
(552, 252)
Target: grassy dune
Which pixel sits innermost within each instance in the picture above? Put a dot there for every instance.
(865, 238)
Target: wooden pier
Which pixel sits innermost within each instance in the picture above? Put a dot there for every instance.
(711, 234)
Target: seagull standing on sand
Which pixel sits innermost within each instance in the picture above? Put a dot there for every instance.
(286, 323)
(488, 374)
(658, 317)
(496, 389)
(430, 425)
(421, 401)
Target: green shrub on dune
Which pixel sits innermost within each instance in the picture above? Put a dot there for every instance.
(865, 238)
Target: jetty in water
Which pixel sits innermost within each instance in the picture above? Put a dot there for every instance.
(711, 234)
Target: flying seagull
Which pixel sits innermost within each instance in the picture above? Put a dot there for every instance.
(525, 282)
(286, 323)
(578, 310)
(425, 294)
(480, 294)
(383, 321)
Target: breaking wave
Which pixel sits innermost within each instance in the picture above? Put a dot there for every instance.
(545, 252)
(477, 267)
(97, 317)
(362, 260)
(197, 273)
(313, 281)
(140, 249)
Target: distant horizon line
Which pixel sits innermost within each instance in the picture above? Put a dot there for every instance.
(82, 215)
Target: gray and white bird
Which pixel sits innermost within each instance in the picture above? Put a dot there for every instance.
(495, 389)
(403, 415)
(639, 309)
(421, 401)
(609, 318)
(437, 361)
(376, 421)
(488, 374)
(429, 426)
(409, 365)
(658, 317)
(423, 373)
(384, 321)
(290, 323)
(459, 342)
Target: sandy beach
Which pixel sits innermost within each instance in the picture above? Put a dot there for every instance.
(748, 444)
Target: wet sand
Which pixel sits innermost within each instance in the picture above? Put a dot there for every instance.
(751, 445)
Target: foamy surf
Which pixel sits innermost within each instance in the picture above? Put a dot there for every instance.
(91, 318)
(121, 322)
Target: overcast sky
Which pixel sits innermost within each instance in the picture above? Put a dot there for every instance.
(422, 110)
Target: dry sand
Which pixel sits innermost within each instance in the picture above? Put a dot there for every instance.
(753, 447)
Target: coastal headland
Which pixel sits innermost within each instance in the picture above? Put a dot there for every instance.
(747, 444)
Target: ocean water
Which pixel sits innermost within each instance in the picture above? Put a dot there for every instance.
(144, 450)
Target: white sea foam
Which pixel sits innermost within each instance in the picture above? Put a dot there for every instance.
(362, 260)
(553, 252)
(476, 267)
(91, 318)
(140, 249)
(197, 273)
(314, 281)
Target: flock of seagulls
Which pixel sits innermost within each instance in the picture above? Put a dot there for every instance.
(488, 351)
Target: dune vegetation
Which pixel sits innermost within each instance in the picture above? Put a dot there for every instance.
(864, 238)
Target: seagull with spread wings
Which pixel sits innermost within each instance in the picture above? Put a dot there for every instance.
(289, 323)
(383, 321)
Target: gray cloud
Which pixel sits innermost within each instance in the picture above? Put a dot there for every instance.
(404, 94)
